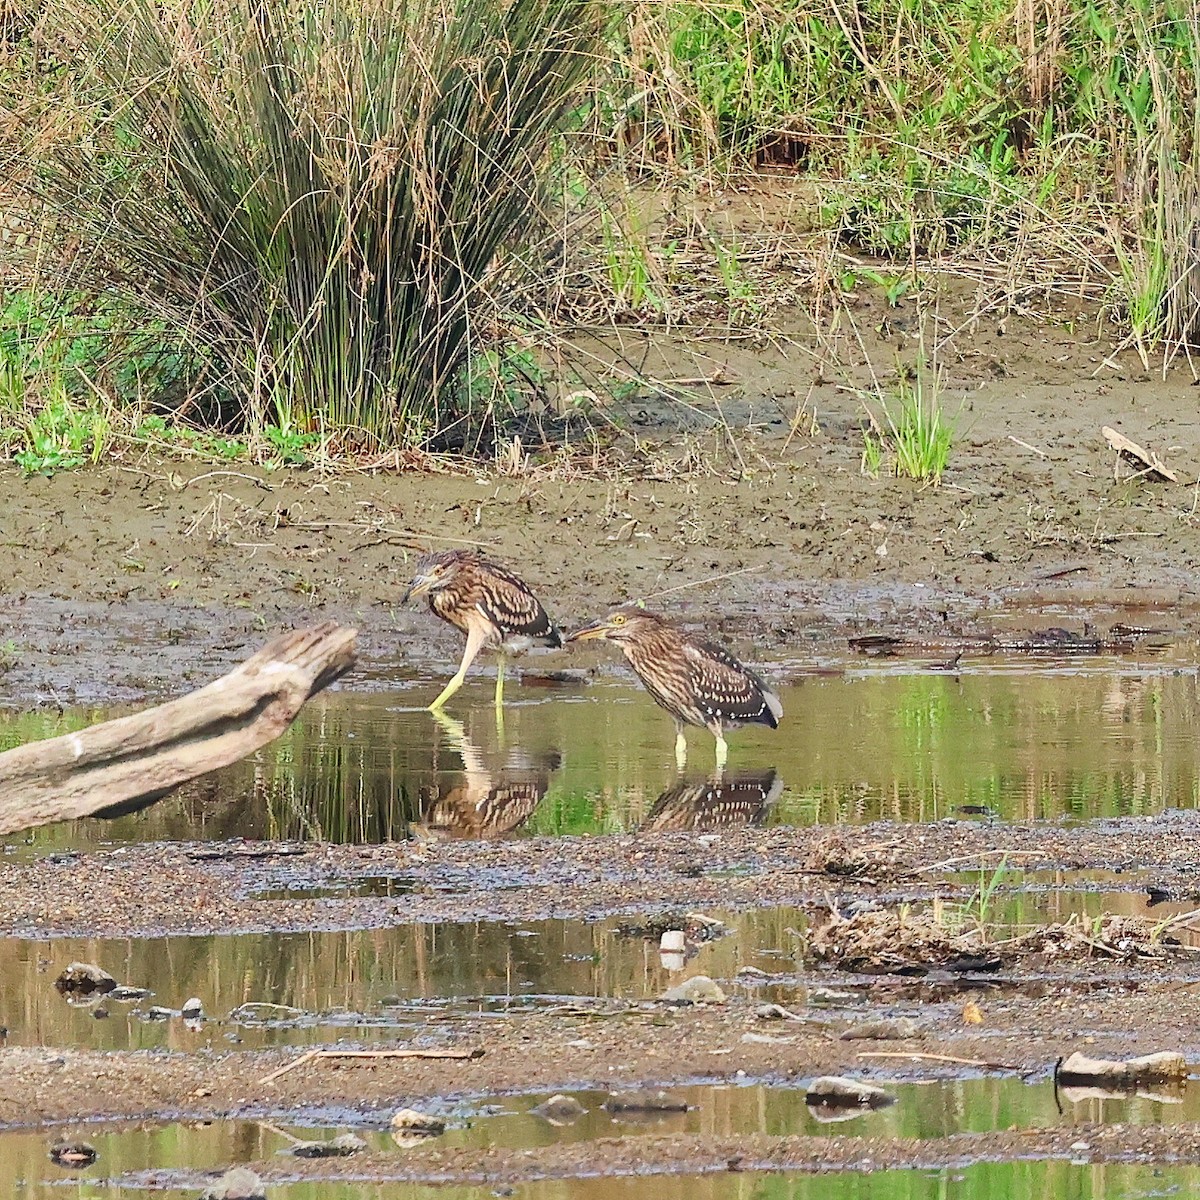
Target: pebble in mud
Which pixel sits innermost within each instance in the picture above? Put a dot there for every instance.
(129, 994)
(339, 1147)
(73, 1154)
(837, 1091)
(559, 1110)
(409, 1122)
(881, 1031)
(700, 989)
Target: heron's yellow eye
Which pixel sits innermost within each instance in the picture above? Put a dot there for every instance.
(618, 619)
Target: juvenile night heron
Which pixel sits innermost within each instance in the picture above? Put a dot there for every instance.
(491, 605)
(695, 680)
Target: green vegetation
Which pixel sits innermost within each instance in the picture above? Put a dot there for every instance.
(292, 229)
(918, 434)
(312, 201)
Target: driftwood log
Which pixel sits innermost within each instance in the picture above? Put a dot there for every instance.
(122, 765)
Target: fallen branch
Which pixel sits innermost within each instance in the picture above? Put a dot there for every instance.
(946, 1058)
(983, 854)
(1150, 463)
(122, 765)
(476, 1052)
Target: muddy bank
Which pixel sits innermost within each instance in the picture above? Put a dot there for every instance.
(139, 577)
(559, 1051)
(706, 1154)
(142, 891)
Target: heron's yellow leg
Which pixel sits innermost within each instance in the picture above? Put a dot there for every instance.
(722, 752)
(475, 639)
(500, 680)
(680, 748)
(455, 683)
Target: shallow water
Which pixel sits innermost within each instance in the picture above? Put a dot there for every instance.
(167, 1157)
(1013, 741)
(357, 985)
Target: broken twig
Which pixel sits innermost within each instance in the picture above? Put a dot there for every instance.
(476, 1052)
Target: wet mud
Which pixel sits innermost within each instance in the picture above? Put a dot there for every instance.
(969, 850)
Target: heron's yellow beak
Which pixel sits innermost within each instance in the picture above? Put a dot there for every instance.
(418, 587)
(593, 629)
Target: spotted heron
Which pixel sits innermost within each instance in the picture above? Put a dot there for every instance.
(695, 680)
(491, 605)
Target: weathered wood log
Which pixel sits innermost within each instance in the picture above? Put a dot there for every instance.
(123, 764)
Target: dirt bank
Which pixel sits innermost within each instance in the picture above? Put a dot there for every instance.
(143, 578)
(133, 577)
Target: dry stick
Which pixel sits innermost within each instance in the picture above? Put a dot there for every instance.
(950, 862)
(683, 587)
(262, 483)
(477, 1052)
(416, 535)
(1179, 919)
(946, 1058)
(1027, 446)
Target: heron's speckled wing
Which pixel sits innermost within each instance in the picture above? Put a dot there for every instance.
(725, 690)
(507, 602)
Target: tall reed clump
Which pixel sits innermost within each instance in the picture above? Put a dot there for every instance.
(316, 196)
(1149, 91)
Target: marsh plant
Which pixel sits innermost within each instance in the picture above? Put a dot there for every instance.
(317, 198)
(916, 433)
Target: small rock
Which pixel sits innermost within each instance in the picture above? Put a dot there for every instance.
(157, 1013)
(697, 990)
(673, 940)
(559, 1110)
(73, 1154)
(823, 995)
(192, 1009)
(752, 973)
(881, 1031)
(775, 1012)
(237, 1184)
(339, 1147)
(836, 1091)
(1165, 1066)
(126, 994)
(83, 978)
(644, 1102)
(762, 1039)
(417, 1124)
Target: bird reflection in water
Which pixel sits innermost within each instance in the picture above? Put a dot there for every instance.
(487, 803)
(715, 803)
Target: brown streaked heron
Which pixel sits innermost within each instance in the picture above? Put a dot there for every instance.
(695, 680)
(487, 602)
